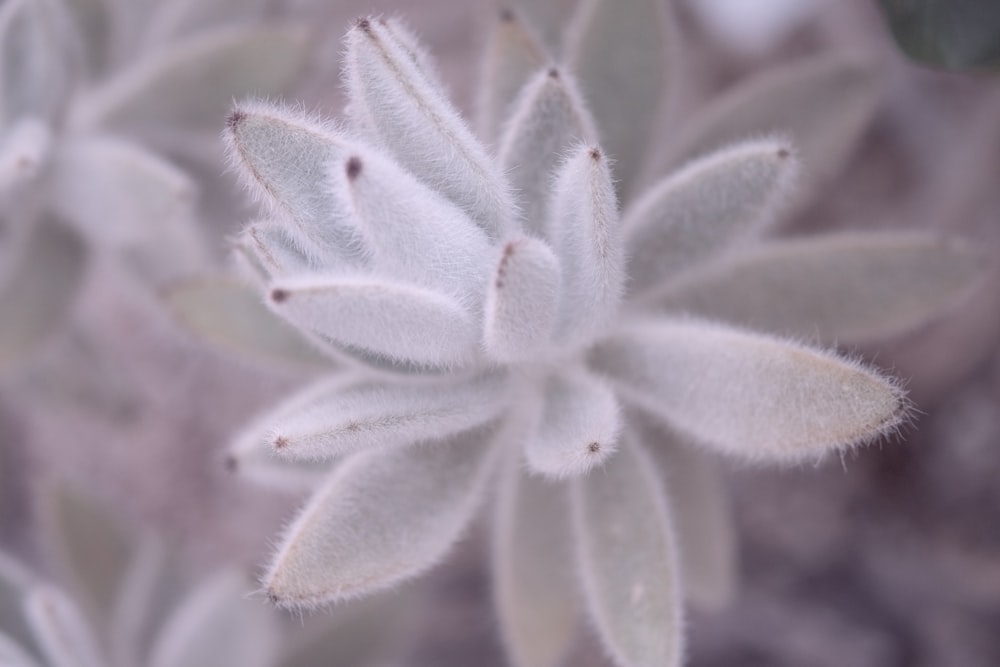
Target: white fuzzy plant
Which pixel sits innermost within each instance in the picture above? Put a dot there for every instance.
(80, 112)
(502, 322)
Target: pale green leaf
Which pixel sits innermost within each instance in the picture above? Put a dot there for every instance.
(232, 316)
(534, 587)
(628, 562)
(849, 287)
(622, 53)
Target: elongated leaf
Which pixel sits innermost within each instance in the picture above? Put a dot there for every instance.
(586, 235)
(849, 287)
(702, 517)
(534, 587)
(513, 54)
(33, 69)
(384, 517)
(232, 315)
(283, 158)
(578, 429)
(419, 127)
(953, 34)
(822, 104)
(705, 208)
(217, 625)
(90, 547)
(118, 193)
(376, 416)
(268, 251)
(192, 84)
(251, 454)
(414, 234)
(627, 559)
(13, 654)
(522, 301)
(397, 320)
(622, 54)
(36, 297)
(548, 119)
(750, 395)
(23, 153)
(60, 629)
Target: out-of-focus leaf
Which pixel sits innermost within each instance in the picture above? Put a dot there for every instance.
(15, 581)
(37, 294)
(90, 545)
(951, 34)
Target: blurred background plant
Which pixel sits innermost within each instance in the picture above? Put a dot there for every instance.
(892, 562)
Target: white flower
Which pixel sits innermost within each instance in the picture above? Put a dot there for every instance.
(498, 316)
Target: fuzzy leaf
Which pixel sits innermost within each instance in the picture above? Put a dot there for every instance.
(284, 160)
(414, 234)
(849, 287)
(522, 301)
(384, 517)
(823, 105)
(578, 429)
(397, 320)
(14, 655)
(192, 84)
(231, 315)
(702, 517)
(90, 546)
(252, 454)
(706, 208)
(60, 629)
(750, 395)
(386, 415)
(621, 53)
(534, 588)
(24, 150)
(627, 560)
(217, 625)
(414, 120)
(33, 72)
(37, 295)
(586, 236)
(268, 251)
(117, 192)
(512, 56)
(549, 118)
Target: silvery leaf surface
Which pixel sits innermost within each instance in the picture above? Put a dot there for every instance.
(192, 84)
(34, 71)
(845, 287)
(231, 315)
(547, 119)
(822, 104)
(621, 54)
(627, 561)
(217, 625)
(535, 591)
(416, 123)
(749, 395)
(709, 206)
(702, 517)
(37, 295)
(383, 518)
(513, 55)
(384, 415)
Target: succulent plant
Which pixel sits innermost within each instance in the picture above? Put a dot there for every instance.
(497, 320)
(82, 116)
